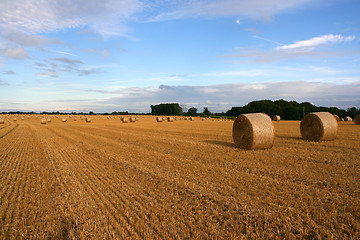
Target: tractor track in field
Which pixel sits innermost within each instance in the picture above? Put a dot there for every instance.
(181, 180)
(86, 171)
(7, 129)
(193, 196)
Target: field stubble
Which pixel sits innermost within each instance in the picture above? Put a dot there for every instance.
(182, 179)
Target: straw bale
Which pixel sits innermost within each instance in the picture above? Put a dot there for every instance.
(159, 119)
(319, 126)
(132, 119)
(170, 119)
(49, 119)
(15, 119)
(347, 119)
(276, 118)
(2, 121)
(43, 120)
(63, 119)
(192, 119)
(88, 119)
(253, 131)
(337, 118)
(125, 120)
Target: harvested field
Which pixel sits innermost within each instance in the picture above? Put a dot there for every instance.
(179, 180)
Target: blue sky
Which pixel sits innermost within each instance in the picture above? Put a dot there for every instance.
(104, 56)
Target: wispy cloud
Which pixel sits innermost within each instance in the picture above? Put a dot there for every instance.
(299, 49)
(12, 35)
(9, 72)
(3, 82)
(15, 53)
(221, 97)
(258, 9)
(317, 41)
(66, 53)
(54, 67)
(106, 17)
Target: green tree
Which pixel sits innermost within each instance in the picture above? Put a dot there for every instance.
(206, 111)
(192, 111)
(166, 109)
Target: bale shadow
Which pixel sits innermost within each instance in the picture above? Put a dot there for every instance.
(221, 143)
(296, 138)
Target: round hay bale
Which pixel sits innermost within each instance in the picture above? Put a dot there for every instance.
(357, 119)
(159, 119)
(22, 118)
(125, 120)
(132, 119)
(336, 117)
(276, 118)
(319, 126)
(63, 120)
(49, 119)
(75, 118)
(88, 120)
(2, 121)
(192, 119)
(170, 119)
(347, 119)
(15, 119)
(43, 120)
(253, 131)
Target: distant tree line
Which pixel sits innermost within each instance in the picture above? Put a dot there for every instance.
(166, 109)
(288, 110)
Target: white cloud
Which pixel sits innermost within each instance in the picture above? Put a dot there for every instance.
(222, 97)
(246, 73)
(105, 17)
(316, 41)
(16, 53)
(299, 49)
(11, 34)
(258, 9)
(52, 74)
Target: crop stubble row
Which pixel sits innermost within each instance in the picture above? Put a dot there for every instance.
(175, 181)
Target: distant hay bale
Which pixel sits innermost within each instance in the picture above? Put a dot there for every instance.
(125, 120)
(276, 118)
(170, 119)
(336, 117)
(319, 126)
(49, 119)
(75, 118)
(63, 119)
(192, 119)
(88, 120)
(253, 131)
(15, 119)
(22, 118)
(357, 119)
(43, 120)
(132, 119)
(347, 119)
(2, 121)
(159, 119)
